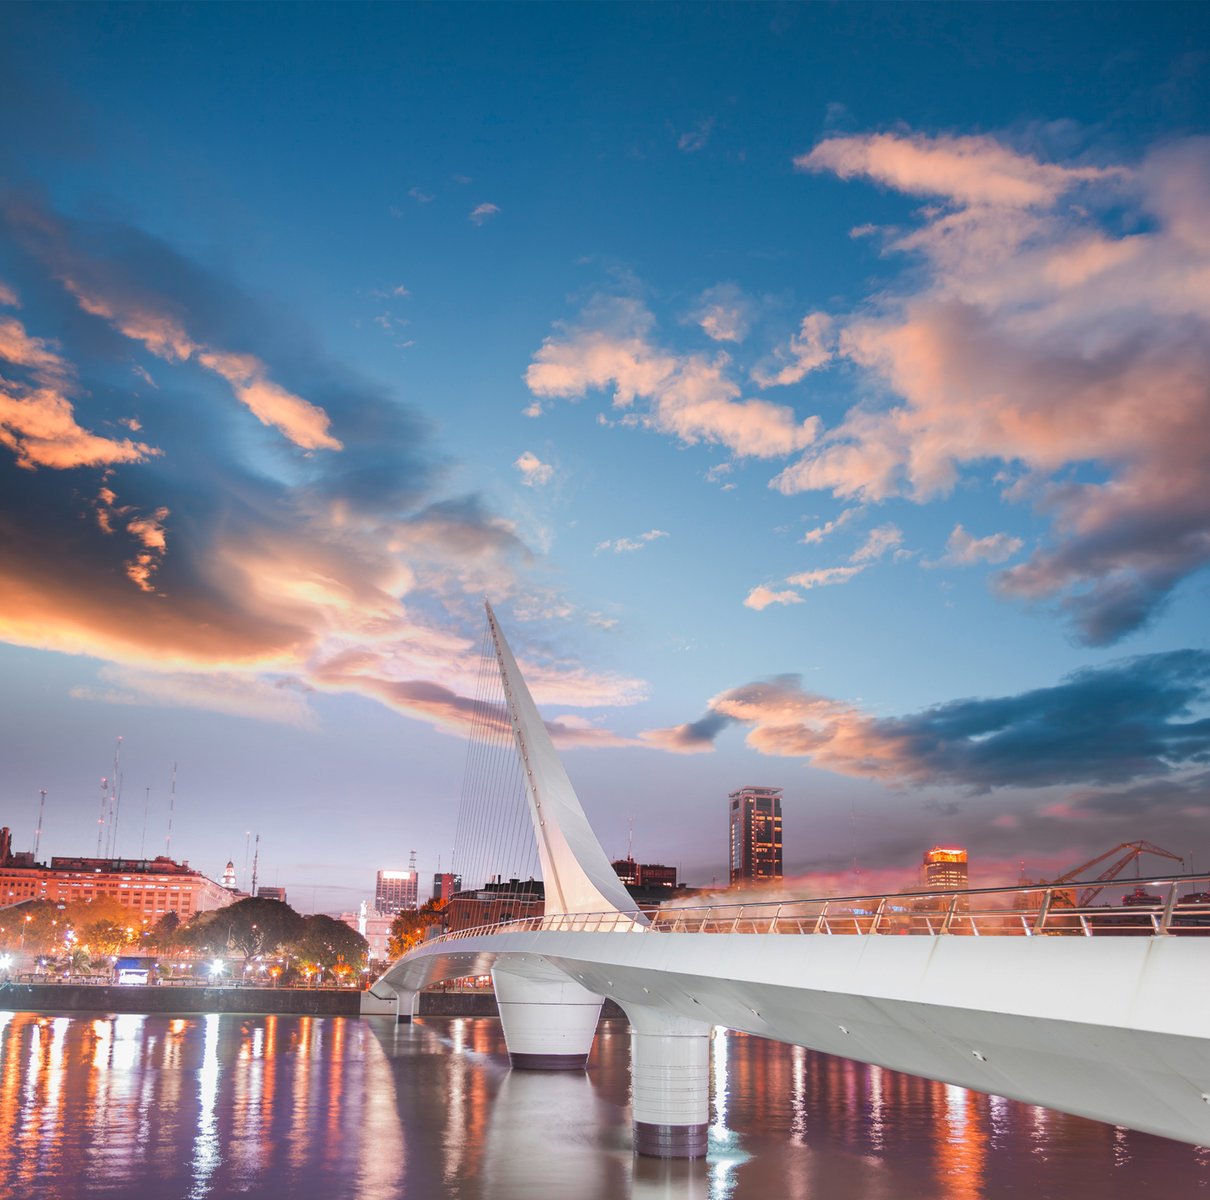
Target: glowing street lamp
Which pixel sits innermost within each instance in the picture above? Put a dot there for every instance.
(217, 968)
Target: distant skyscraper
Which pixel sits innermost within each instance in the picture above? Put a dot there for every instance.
(755, 850)
(944, 869)
(395, 891)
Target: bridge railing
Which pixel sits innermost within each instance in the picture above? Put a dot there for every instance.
(1156, 907)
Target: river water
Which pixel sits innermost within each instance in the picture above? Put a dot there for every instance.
(327, 1108)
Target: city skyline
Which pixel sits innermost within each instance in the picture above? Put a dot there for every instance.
(805, 424)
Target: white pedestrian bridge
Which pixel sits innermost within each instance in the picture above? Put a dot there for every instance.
(1102, 1012)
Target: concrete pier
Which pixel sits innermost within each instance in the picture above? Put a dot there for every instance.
(670, 1083)
(549, 1020)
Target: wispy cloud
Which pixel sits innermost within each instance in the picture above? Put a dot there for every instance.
(963, 549)
(420, 196)
(534, 472)
(724, 313)
(483, 212)
(690, 397)
(819, 532)
(629, 545)
(695, 139)
(878, 542)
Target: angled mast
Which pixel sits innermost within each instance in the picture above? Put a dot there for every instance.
(575, 869)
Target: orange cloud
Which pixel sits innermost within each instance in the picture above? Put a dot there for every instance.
(38, 422)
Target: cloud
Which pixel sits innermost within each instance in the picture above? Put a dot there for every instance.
(38, 419)
(811, 348)
(877, 543)
(1134, 719)
(109, 291)
(483, 212)
(823, 577)
(8, 297)
(965, 170)
(1040, 336)
(964, 549)
(695, 139)
(629, 545)
(281, 700)
(534, 472)
(724, 313)
(689, 396)
(817, 534)
(421, 197)
(694, 737)
(200, 569)
(760, 597)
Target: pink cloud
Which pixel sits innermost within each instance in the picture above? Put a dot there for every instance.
(762, 597)
(966, 170)
(1041, 339)
(963, 549)
(811, 348)
(690, 397)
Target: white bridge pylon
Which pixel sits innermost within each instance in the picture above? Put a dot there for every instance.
(1115, 1028)
(576, 871)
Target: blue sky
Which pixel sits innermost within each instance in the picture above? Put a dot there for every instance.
(818, 392)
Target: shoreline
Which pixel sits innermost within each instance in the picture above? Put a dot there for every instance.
(161, 998)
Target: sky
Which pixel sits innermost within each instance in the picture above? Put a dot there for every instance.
(819, 394)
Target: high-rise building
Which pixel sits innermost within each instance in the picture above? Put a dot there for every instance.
(755, 849)
(445, 885)
(944, 869)
(395, 891)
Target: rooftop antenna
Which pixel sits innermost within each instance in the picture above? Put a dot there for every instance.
(255, 864)
(146, 806)
(247, 850)
(38, 834)
(171, 808)
(412, 862)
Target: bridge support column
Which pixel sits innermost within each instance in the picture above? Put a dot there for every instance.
(549, 1020)
(670, 1083)
(408, 1004)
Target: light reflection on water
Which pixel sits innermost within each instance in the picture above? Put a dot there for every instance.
(212, 1107)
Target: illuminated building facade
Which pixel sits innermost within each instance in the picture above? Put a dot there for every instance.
(395, 891)
(504, 900)
(755, 844)
(271, 893)
(944, 869)
(445, 885)
(148, 887)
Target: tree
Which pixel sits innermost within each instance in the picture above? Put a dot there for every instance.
(165, 933)
(105, 937)
(326, 942)
(247, 927)
(408, 927)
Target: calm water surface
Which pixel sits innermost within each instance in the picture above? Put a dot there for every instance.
(226, 1106)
